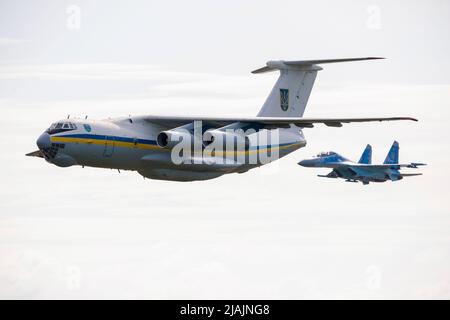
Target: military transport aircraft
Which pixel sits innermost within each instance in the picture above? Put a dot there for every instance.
(364, 170)
(188, 148)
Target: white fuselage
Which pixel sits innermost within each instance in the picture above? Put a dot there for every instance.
(130, 144)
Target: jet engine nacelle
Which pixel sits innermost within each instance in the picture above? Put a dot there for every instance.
(230, 138)
(170, 138)
(394, 177)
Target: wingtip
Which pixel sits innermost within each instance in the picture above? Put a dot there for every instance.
(410, 119)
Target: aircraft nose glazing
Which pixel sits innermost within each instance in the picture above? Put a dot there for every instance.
(49, 149)
(43, 142)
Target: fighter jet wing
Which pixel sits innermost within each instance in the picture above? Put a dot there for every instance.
(386, 166)
(264, 122)
(332, 174)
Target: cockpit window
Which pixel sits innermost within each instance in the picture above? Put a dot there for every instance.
(61, 127)
(326, 154)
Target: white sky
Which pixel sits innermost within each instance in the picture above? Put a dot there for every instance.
(275, 232)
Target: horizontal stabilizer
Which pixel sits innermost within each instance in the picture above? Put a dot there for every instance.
(411, 174)
(281, 64)
(415, 165)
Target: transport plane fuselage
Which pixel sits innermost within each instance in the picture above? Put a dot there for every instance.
(131, 144)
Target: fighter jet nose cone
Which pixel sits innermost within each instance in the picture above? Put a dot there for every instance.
(43, 141)
(305, 163)
(300, 163)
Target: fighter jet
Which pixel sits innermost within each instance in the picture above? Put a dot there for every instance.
(363, 171)
(189, 148)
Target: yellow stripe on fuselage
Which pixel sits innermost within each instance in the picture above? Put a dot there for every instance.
(104, 142)
(154, 147)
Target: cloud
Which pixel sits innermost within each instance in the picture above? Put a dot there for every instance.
(11, 41)
(134, 238)
(99, 71)
(117, 84)
(25, 273)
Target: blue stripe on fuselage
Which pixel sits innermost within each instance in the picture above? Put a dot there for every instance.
(148, 142)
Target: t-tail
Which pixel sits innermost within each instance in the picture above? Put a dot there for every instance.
(366, 157)
(392, 156)
(291, 92)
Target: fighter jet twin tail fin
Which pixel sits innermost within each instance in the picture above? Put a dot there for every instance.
(366, 157)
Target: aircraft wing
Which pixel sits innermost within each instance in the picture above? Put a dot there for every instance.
(264, 122)
(385, 166)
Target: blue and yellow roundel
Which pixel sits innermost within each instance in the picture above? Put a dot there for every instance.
(87, 127)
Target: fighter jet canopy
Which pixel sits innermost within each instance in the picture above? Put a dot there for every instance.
(326, 154)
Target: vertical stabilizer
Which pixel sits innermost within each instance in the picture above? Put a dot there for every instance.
(366, 157)
(291, 92)
(392, 156)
